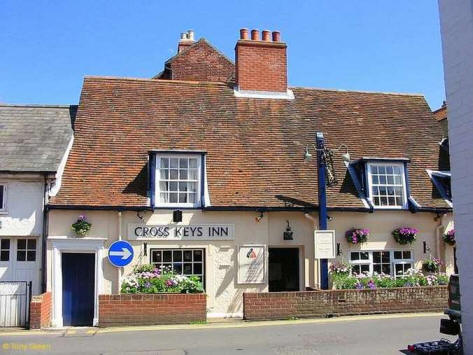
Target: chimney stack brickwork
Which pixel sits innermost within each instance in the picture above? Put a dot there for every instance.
(261, 65)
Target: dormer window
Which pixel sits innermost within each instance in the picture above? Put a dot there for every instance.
(386, 184)
(177, 179)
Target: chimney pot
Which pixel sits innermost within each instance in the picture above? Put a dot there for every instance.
(244, 33)
(190, 35)
(276, 36)
(254, 35)
(266, 36)
(183, 35)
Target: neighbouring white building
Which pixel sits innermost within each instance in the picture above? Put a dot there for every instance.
(456, 20)
(34, 141)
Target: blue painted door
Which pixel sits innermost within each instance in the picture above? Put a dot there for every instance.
(78, 280)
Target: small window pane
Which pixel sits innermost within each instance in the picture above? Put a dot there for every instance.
(187, 255)
(374, 169)
(397, 255)
(164, 197)
(173, 197)
(187, 269)
(364, 255)
(192, 163)
(381, 170)
(182, 198)
(21, 243)
(174, 163)
(177, 255)
(177, 267)
(5, 244)
(21, 255)
(167, 256)
(355, 256)
(193, 174)
(198, 255)
(174, 174)
(407, 254)
(31, 243)
(365, 268)
(173, 186)
(164, 174)
(192, 198)
(5, 255)
(198, 268)
(163, 186)
(183, 186)
(164, 162)
(31, 255)
(376, 257)
(156, 256)
(183, 174)
(386, 269)
(389, 170)
(377, 268)
(183, 163)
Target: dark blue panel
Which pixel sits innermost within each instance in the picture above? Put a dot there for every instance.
(78, 280)
(322, 195)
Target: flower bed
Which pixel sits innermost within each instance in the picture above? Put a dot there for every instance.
(412, 278)
(149, 279)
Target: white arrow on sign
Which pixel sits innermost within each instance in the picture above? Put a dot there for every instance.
(125, 253)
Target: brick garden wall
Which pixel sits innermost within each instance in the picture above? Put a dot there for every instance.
(283, 305)
(40, 311)
(127, 309)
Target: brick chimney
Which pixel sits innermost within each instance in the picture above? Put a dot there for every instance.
(261, 64)
(187, 40)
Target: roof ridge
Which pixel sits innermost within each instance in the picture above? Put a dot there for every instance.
(358, 91)
(155, 80)
(37, 105)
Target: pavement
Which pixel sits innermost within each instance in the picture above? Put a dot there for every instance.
(375, 334)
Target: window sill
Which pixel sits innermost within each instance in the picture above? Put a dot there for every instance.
(3, 212)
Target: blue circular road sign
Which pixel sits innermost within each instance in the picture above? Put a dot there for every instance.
(120, 253)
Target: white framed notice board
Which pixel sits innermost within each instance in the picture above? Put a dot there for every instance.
(251, 264)
(324, 244)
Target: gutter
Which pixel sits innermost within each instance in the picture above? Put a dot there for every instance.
(236, 208)
(44, 235)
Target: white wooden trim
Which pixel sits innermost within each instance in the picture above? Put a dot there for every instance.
(74, 245)
(157, 179)
(369, 183)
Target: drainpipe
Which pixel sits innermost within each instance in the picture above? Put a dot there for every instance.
(44, 235)
(322, 194)
(437, 236)
(119, 238)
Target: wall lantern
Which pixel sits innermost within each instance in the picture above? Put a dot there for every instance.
(177, 216)
(288, 234)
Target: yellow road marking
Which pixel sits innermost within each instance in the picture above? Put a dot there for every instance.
(223, 325)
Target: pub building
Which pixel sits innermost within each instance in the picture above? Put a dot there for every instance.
(213, 162)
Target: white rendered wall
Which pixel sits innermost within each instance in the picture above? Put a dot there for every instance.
(456, 20)
(24, 209)
(224, 293)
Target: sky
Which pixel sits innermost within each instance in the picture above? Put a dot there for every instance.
(369, 45)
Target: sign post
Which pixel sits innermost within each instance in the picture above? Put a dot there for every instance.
(120, 253)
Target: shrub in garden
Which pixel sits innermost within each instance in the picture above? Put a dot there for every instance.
(149, 279)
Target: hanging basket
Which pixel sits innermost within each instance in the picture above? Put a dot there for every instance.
(405, 235)
(357, 236)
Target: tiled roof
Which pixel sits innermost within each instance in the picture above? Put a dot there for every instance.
(34, 138)
(255, 147)
(441, 113)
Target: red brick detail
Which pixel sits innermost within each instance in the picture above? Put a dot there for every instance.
(261, 66)
(144, 309)
(283, 305)
(199, 62)
(40, 311)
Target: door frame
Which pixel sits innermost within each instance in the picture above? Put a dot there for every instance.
(74, 245)
(301, 260)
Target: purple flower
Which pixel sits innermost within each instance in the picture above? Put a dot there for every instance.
(371, 284)
(82, 217)
(358, 285)
(148, 284)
